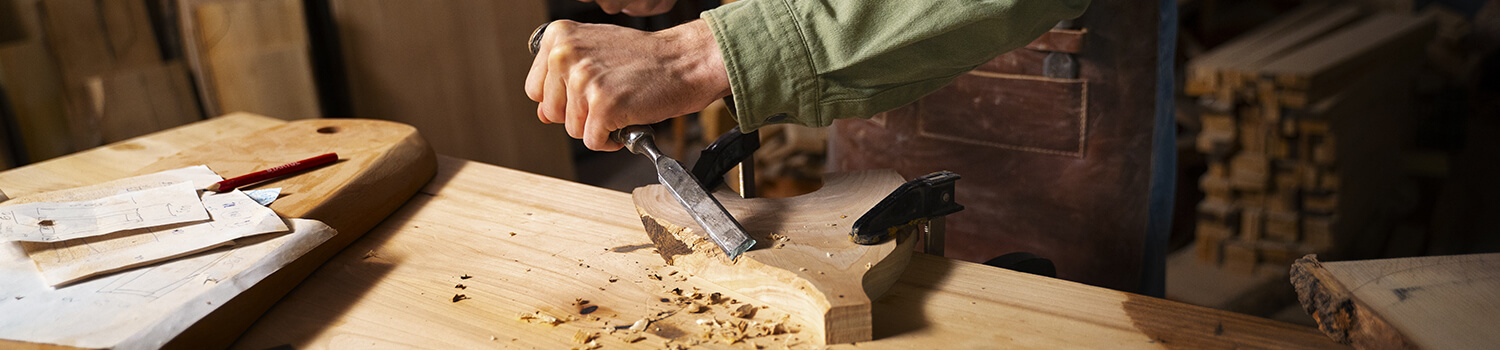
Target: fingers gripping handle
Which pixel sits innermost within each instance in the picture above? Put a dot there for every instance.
(636, 138)
(630, 136)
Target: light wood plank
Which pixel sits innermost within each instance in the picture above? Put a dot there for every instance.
(255, 54)
(34, 86)
(1436, 302)
(395, 286)
(136, 102)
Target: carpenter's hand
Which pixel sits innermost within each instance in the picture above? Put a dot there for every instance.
(598, 78)
(636, 8)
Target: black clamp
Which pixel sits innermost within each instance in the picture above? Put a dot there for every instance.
(927, 197)
(731, 149)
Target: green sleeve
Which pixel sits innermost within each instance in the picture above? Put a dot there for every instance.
(812, 61)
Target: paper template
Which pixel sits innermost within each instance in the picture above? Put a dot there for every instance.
(53, 221)
(234, 214)
(199, 175)
(146, 307)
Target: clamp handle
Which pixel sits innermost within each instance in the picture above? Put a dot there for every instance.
(926, 197)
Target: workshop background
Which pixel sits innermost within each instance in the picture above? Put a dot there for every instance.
(1348, 129)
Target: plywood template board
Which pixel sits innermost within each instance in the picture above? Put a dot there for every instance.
(455, 70)
(254, 56)
(1435, 302)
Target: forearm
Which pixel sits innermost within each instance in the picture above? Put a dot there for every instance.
(813, 61)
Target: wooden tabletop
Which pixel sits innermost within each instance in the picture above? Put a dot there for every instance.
(521, 243)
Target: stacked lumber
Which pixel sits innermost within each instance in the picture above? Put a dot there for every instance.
(1301, 120)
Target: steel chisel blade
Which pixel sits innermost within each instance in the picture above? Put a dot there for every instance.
(704, 208)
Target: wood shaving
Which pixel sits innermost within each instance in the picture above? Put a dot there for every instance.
(512, 233)
(640, 325)
(582, 337)
(633, 338)
(580, 302)
(696, 308)
(613, 279)
(458, 297)
(744, 311)
(654, 276)
(461, 286)
(465, 276)
(539, 317)
(716, 298)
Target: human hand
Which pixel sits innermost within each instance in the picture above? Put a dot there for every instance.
(637, 8)
(597, 78)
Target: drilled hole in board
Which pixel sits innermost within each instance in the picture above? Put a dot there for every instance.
(328, 130)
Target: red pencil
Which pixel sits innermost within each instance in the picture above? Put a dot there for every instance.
(278, 171)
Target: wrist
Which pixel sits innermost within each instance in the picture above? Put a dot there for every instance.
(704, 63)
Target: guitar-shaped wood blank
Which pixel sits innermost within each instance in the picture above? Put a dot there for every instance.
(803, 261)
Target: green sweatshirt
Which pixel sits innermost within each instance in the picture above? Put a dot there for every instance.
(809, 62)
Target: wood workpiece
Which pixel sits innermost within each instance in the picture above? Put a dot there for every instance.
(1435, 302)
(803, 261)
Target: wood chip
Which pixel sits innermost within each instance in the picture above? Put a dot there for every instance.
(458, 297)
(640, 325)
(696, 308)
(745, 311)
(461, 286)
(582, 337)
(716, 298)
(539, 317)
(465, 276)
(633, 338)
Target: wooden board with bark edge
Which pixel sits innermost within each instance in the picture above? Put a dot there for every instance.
(381, 165)
(1433, 302)
(803, 261)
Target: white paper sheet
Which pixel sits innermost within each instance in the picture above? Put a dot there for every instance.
(146, 307)
(59, 221)
(234, 214)
(199, 175)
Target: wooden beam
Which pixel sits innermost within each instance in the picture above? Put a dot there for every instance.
(1436, 302)
(805, 262)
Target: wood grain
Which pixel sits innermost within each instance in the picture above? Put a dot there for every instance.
(455, 70)
(255, 56)
(130, 103)
(91, 38)
(804, 261)
(1437, 302)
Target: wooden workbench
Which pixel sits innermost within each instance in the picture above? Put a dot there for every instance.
(537, 244)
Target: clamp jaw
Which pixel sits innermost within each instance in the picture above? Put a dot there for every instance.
(926, 199)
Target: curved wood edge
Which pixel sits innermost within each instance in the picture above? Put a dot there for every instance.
(1340, 316)
(831, 293)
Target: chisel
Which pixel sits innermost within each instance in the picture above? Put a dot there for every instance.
(704, 208)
